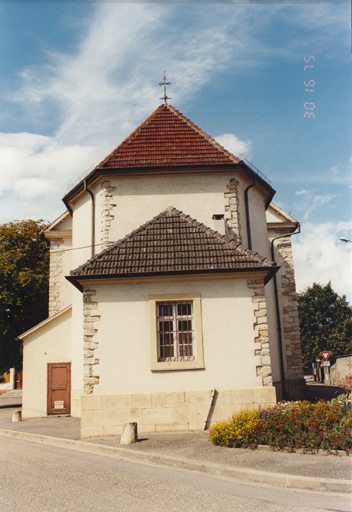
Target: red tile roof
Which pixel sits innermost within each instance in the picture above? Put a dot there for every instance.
(167, 138)
(171, 243)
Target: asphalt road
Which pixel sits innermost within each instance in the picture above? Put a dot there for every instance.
(48, 479)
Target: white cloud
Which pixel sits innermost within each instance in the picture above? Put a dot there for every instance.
(314, 18)
(320, 256)
(36, 170)
(236, 146)
(334, 170)
(310, 201)
(317, 202)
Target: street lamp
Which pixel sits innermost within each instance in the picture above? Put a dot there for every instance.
(344, 239)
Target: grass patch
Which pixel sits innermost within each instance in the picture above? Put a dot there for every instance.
(290, 425)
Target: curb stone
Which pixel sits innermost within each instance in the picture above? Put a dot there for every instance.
(324, 485)
(302, 451)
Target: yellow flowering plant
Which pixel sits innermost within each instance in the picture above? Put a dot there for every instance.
(238, 431)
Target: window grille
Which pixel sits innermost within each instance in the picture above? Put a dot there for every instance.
(175, 331)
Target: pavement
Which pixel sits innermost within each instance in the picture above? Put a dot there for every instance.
(329, 473)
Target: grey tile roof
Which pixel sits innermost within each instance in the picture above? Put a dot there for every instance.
(172, 242)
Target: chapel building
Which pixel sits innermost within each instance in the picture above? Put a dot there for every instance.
(171, 275)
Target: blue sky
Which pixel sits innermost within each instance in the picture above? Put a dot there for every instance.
(77, 78)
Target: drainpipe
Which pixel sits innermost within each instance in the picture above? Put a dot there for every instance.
(282, 367)
(248, 222)
(93, 216)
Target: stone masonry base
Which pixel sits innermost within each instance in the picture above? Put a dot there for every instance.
(166, 412)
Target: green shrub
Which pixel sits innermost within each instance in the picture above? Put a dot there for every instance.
(290, 425)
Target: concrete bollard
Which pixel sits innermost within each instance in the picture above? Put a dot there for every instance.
(17, 415)
(129, 433)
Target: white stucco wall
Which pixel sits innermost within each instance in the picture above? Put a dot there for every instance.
(51, 342)
(256, 201)
(139, 199)
(124, 338)
(66, 288)
(81, 232)
(77, 351)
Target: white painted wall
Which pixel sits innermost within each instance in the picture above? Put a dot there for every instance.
(51, 342)
(124, 338)
(139, 199)
(77, 345)
(82, 240)
(81, 231)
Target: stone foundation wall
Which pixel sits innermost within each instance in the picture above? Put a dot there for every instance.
(76, 395)
(166, 412)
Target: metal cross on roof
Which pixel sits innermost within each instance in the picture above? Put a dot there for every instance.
(165, 83)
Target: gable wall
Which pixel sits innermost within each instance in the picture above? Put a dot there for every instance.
(140, 199)
(124, 204)
(120, 336)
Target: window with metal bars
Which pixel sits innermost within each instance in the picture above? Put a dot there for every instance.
(175, 331)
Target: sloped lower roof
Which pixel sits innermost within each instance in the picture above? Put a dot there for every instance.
(44, 323)
(167, 138)
(172, 243)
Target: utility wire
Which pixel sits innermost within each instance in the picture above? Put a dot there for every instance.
(83, 247)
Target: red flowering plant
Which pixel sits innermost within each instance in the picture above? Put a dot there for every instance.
(296, 425)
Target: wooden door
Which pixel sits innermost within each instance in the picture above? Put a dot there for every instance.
(18, 380)
(59, 388)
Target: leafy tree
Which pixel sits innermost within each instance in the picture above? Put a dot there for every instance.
(325, 323)
(24, 271)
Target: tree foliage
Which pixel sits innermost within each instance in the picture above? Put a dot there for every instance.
(24, 275)
(325, 323)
